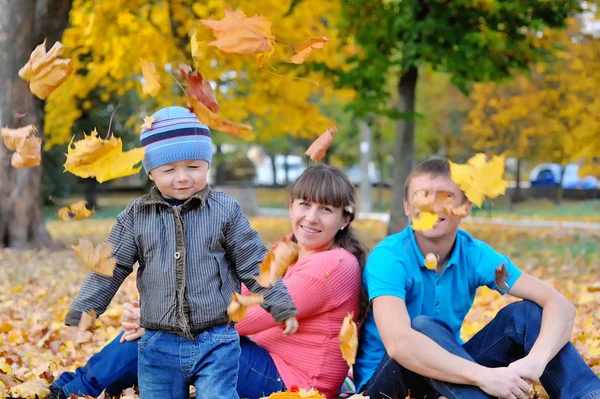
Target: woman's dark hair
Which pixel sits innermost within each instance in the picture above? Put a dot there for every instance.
(329, 185)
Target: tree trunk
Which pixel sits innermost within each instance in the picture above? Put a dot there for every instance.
(404, 148)
(221, 171)
(286, 168)
(365, 160)
(273, 168)
(23, 25)
(560, 190)
(517, 195)
(380, 163)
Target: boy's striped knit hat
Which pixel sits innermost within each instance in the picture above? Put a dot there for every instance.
(175, 135)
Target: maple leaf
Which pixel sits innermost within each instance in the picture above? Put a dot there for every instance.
(238, 34)
(304, 49)
(31, 389)
(281, 255)
(319, 147)
(431, 261)
(196, 48)
(348, 337)
(152, 85)
(29, 153)
(300, 393)
(102, 159)
(45, 71)
(262, 58)
(14, 137)
(97, 259)
(148, 121)
(86, 327)
(480, 179)
(240, 303)
(77, 211)
(199, 88)
(501, 274)
(217, 122)
(425, 221)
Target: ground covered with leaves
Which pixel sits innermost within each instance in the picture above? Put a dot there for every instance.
(36, 288)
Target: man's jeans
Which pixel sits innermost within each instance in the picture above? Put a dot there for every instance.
(115, 368)
(507, 338)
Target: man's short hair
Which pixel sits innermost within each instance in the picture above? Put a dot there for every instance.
(434, 167)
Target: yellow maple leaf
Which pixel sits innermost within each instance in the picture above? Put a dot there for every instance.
(14, 137)
(217, 122)
(31, 389)
(349, 339)
(97, 259)
(77, 211)
(45, 71)
(152, 85)
(431, 261)
(196, 48)
(282, 254)
(425, 221)
(238, 34)
(102, 159)
(148, 121)
(304, 49)
(479, 178)
(29, 153)
(240, 303)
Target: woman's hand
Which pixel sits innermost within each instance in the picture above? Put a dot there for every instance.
(130, 321)
(291, 326)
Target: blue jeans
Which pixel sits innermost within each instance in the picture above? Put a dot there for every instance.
(507, 338)
(114, 368)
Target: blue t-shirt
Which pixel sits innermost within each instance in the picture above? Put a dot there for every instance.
(396, 267)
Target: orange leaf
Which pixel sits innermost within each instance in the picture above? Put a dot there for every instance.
(301, 394)
(86, 327)
(349, 339)
(29, 153)
(199, 88)
(281, 255)
(152, 85)
(77, 211)
(97, 259)
(148, 121)
(431, 261)
(304, 49)
(501, 274)
(14, 137)
(319, 147)
(45, 71)
(217, 122)
(240, 303)
(238, 34)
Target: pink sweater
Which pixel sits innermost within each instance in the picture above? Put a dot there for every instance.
(325, 287)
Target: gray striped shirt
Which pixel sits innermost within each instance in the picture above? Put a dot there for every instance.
(191, 260)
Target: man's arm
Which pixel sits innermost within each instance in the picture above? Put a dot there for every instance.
(422, 355)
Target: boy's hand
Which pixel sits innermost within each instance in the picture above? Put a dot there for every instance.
(291, 326)
(132, 335)
(130, 321)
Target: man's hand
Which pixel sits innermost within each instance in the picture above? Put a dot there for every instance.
(528, 368)
(130, 321)
(504, 383)
(291, 326)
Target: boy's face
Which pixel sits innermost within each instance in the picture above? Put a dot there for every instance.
(180, 180)
(447, 223)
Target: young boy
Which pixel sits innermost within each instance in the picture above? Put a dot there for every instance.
(411, 339)
(193, 246)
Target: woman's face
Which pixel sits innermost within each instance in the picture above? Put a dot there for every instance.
(315, 225)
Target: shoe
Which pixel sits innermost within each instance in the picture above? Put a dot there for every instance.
(56, 393)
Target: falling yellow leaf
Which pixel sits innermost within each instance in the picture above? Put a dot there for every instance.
(77, 211)
(319, 147)
(431, 261)
(425, 221)
(31, 389)
(238, 34)
(97, 259)
(217, 122)
(148, 121)
(85, 330)
(45, 71)
(196, 48)
(479, 178)
(152, 85)
(29, 153)
(302, 393)
(102, 159)
(304, 49)
(282, 254)
(14, 137)
(349, 339)
(240, 303)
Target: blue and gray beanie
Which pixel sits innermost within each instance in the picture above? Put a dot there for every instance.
(175, 135)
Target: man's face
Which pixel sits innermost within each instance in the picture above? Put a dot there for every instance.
(441, 186)
(180, 180)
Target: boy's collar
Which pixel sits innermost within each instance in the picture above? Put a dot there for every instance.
(155, 197)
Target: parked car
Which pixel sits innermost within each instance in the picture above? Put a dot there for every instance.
(548, 175)
(264, 170)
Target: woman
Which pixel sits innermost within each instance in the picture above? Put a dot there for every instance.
(325, 285)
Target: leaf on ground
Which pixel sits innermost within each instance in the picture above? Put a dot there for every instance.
(152, 84)
(217, 122)
(348, 338)
(13, 138)
(425, 221)
(199, 88)
(501, 275)
(304, 49)
(240, 303)
(102, 159)
(77, 211)
(238, 34)
(97, 259)
(301, 393)
(431, 261)
(29, 153)
(479, 178)
(45, 71)
(148, 121)
(31, 389)
(319, 147)
(281, 255)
